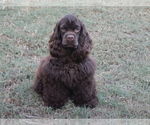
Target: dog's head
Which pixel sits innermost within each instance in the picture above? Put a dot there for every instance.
(70, 33)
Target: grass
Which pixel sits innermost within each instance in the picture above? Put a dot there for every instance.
(121, 37)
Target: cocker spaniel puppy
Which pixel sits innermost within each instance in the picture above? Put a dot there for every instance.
(68, 72)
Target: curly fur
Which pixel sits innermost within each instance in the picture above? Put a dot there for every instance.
(68, 72)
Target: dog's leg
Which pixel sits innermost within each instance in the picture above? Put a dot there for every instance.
(85, 95)
(38, 83)
(55, 95)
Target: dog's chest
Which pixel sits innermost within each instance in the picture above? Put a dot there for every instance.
(72, 69)
(69, 73)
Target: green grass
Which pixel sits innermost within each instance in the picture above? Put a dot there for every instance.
(121, 37)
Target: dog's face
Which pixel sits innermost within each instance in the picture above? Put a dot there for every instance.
(70, 28)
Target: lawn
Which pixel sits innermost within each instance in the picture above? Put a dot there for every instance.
(121, 37)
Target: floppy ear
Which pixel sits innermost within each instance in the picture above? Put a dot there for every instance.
(85, 39)
(85, 44)
(55, 46)
(56, 33)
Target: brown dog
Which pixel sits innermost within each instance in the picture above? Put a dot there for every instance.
(68, 72)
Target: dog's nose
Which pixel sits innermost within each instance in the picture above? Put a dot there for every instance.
(70, 38)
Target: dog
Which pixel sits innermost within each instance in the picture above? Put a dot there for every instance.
(68, 72)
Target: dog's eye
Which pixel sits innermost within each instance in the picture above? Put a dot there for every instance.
(63, 30)
(77, 30)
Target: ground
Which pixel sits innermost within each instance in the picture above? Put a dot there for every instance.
(121, 37)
